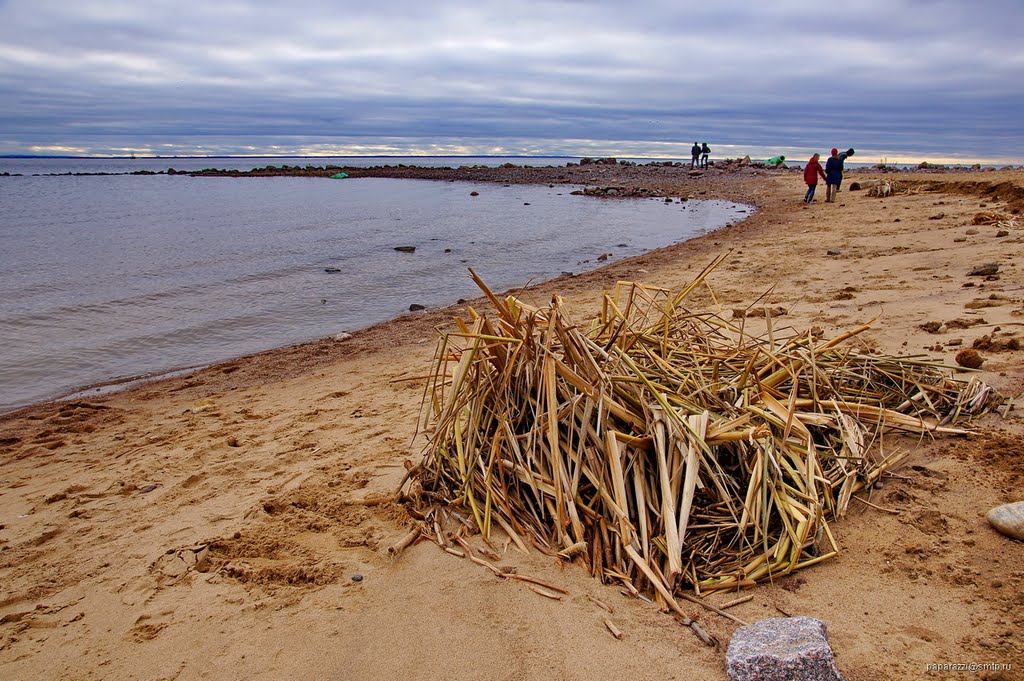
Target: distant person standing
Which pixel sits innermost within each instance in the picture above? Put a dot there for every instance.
(834, 173)
(705, 151)
(695, 155)
(811, 173)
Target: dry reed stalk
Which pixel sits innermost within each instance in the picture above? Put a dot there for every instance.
(577, 549)
(489, 566)
(601, 604)
(533, 580)
(544, 592)
(737, 601)
(395, 549)
(614, 630)
(662, 447)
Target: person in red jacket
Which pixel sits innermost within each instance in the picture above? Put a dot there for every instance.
(811, 174)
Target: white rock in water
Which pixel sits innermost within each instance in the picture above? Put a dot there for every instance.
(1008, 519)
(342, 337)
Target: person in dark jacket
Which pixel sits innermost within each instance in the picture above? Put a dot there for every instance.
(811, 173)
(834, 173)
(705, 151)
(695, 155)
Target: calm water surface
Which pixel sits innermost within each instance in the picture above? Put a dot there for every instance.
(39, 166)
(108, 278)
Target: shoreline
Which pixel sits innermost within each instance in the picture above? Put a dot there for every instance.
(207, 521)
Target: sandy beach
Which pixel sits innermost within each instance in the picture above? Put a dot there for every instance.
(203, 526)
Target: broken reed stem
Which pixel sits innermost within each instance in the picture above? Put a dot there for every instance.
(481, 561)
(577, 549)
(708, 640)
(880, 508)
(395, 549)
(532, 580)
(737, 601)
(544, 592)
(712, 608)
(601, 604)
(613, 629)
(547, 589)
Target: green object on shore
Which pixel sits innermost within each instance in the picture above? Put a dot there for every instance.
(775, 160)
(339, 176)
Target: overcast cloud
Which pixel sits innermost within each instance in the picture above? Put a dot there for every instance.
(897, 79)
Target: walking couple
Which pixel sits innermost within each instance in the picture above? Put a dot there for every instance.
(832, 174)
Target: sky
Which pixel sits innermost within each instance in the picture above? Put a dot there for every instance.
(899, 80)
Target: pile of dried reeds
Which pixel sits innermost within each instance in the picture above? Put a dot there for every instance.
(665, 448)
(994, 219)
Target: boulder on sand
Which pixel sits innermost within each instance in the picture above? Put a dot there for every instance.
(791, 648)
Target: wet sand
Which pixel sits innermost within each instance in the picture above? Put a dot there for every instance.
(199, 527)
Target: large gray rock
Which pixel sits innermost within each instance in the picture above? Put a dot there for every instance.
(782, 649)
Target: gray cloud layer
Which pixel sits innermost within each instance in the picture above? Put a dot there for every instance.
(894, 77)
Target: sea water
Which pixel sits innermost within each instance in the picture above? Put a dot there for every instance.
(61, 165)
(108, 278)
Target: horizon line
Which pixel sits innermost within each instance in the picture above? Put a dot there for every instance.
(558, 156)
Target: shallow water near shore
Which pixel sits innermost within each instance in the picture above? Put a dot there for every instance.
(104, 279)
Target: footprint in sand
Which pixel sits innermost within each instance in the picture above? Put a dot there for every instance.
(144, 630)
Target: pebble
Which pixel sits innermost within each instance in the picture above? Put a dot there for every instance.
(148, 488)
(1008, 519)
(357, 578)
(985, 270)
